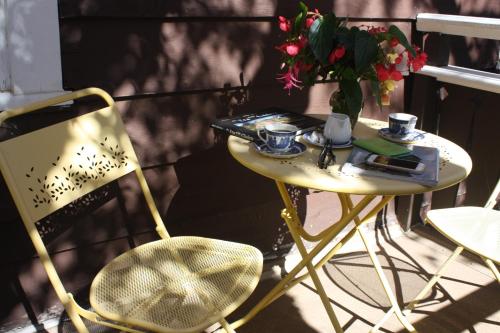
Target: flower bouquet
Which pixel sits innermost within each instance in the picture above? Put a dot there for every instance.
(324, 46)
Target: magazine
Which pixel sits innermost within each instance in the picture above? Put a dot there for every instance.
(356, 165)
(245, 126)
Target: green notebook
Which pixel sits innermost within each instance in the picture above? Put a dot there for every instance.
(381, 147)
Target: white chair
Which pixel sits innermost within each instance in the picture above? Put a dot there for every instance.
(475, 229)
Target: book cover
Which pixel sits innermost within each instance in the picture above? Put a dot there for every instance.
(356, 165)
(245, 126)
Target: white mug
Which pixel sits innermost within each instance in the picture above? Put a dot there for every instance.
(338, 128)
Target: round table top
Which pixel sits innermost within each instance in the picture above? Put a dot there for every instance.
(455, 165)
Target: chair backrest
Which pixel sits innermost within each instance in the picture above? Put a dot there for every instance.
(49, 168)
(492, 201)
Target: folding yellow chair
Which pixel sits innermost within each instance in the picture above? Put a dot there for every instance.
(174, 284)
(475, 229)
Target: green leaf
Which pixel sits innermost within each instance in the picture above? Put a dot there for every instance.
(365, 50)
(298, 23)
(349, 74)
(376, 92)
(321, 37)
(303, 7)
(300, 19)
(394, 31)
(346, 38)
(353, 95)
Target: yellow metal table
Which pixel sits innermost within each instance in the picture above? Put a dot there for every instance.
(455, 165)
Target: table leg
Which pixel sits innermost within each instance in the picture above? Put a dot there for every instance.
(383, 279)
(315, 279)
(290, 218)
(290, 280)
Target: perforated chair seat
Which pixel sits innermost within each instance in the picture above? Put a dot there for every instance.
(475, 228)
(181, 284)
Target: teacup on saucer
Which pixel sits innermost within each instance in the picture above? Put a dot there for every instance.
(412, 137)
(401, 124)
(296, 149)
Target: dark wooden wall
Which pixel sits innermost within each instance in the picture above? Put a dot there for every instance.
(173, 67)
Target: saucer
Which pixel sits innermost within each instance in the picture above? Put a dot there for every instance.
(411, 137)
(296, 149)
(316, 138)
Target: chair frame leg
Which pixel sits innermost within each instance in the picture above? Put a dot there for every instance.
(433, 280)
(226, 326)
(492, 267)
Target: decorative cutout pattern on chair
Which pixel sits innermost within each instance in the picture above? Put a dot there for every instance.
(73, 176)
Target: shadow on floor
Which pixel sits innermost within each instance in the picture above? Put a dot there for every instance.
(354, 274)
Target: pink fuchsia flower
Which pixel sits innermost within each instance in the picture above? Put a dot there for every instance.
(292, 49)
(290, 79)
(284, 24)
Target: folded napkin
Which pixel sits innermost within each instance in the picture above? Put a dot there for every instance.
(381, 147)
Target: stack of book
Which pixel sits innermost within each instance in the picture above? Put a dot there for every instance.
(245, 126)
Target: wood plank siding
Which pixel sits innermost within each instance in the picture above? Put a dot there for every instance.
(173, 67)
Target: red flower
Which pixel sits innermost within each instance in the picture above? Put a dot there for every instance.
(339, 52)
(336, 54)
(391, 73)
(395, 75)
(382, 72)
(302, 42)
(285, 24)
(309, 21)
(304, 67)
(394, 42)
(416, 63)
(376, 30)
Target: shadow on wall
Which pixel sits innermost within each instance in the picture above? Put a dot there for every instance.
(175, 67)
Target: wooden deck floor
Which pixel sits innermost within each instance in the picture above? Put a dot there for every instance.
(466, 300)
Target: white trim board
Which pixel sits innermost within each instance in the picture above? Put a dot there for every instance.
(464, 77)
(470, 26)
